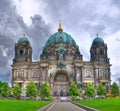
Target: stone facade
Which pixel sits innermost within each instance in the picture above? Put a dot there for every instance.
(60, 63)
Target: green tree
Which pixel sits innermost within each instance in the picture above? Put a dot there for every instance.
(89, 90)
(101, 90)
(45, 90)
(31, 90)
(115, 89)
(1, 84)
(73, 90)
(17, 90)
(5, 90)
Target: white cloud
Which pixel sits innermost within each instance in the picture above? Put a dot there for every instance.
(28, 8)
(113, 42)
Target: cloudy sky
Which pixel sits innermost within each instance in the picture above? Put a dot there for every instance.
(82, 19)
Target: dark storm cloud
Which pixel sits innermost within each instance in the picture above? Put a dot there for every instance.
(12, 27)
(3, 59)
(57, 8)
(94, 29)
(90, 16)
(11, 24)
(39, 32)
(116, 3)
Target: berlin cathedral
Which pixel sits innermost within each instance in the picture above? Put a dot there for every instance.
(61, 62)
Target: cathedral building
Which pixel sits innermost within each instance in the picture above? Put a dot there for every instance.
(61, 62)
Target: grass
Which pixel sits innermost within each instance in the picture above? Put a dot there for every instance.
(21, 105)
(110, 104)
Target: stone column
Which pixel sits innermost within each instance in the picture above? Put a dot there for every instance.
(81, 74)
(47, 74)
(39, 75)
(95, 78)
(51, 85)
(42, 70)
(24, 73)
(109, 80)
(75, 73)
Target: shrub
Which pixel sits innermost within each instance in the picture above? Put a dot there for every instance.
(50, 97)
(108, 95)
(31, 90)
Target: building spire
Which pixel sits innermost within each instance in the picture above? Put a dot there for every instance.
(97, 34)
(24, 34)
(60, 26)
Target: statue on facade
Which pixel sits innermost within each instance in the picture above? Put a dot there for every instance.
(51, 74)
(60, 57)
(71, 74)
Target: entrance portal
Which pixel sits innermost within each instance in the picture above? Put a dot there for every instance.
(61, 93)
(61, 84)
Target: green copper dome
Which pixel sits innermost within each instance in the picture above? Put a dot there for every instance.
(98, 40)
(59, 37)
(23, 40)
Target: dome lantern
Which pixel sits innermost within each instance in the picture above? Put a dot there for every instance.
(60, 27)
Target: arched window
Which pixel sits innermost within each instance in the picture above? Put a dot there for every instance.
(95, 52)
(19, 74)
(35, 74)
(21, 52)
(45, 76)
(60, 39)
(88, 74)
(101, 52)
(102, 74)
(78, 75)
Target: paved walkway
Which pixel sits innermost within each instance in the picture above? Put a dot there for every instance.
(64, 106)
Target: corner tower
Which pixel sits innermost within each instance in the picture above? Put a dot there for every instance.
(98, 51)
(23, 50)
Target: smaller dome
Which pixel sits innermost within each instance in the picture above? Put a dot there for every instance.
(98, 40)
(23, 40)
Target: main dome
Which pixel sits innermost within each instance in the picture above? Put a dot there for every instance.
(59, 37)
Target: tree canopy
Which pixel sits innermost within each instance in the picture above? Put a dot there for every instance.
(89, 90)
(115, 89)
(73, 90)
(1, 84)
(101, 90)
(45, 90)
(17, 90)
(5, 90)
(31, 90)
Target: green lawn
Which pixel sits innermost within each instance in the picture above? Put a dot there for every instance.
(110, 104)
(21, 105)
